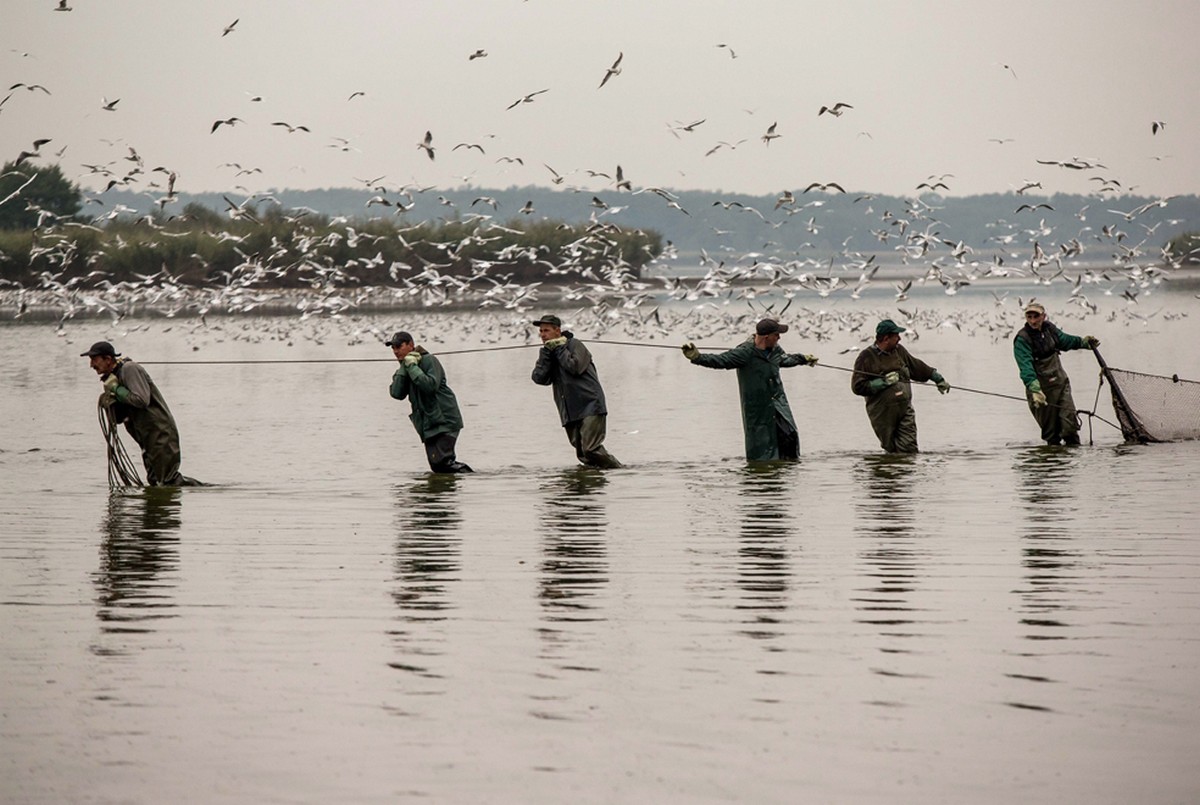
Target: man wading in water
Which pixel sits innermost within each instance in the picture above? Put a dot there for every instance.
(132, 398)
(1047, 387)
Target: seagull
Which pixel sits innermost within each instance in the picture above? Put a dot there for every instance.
(771, 135)
(622, 181)
(824, 187)
(836, 110)
(1001, 140)
(354, 95)
(1157, 126)
(427, 144)
(527, 99)
(1033, 208)
(479, 54)
(469, 146)
(1028, 185)
(557, 179)
(786, 198)
(614, 70)
(62, 6)
(732, 55)
(291, 129)
(227, 122)
(109, 106)
(30, 87)
(528, 208)
(229, 28)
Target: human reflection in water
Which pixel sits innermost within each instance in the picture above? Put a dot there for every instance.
(886, 522)
(139, 554)
(428, 551)
(1044, 478)
(574, 554)
(764, 527)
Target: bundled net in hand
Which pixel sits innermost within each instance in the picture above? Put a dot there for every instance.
(1153, 408)
(121, 469)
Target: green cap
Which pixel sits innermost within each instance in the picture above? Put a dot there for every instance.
(888, 327)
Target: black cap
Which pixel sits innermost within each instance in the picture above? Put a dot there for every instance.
(769, 327)
(399, 338)
(553, 321)
(100, 348)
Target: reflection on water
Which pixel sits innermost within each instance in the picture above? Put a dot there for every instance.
(139, 558)
(886, 520)
(428, 548)
(574, 566)
(764, 528)
(1044, 479)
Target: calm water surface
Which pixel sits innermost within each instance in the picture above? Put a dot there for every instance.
(988, 621)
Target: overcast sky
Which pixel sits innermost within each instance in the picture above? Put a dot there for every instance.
(932, 85)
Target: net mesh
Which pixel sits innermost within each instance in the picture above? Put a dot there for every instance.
(1153, 408)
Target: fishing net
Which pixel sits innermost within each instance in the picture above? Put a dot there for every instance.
(1154, 408)
(121, 469)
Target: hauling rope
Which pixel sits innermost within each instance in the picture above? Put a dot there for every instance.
(121, 469)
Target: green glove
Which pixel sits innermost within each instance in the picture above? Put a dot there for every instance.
(1090, 342)
(1038, 399)
(892, 378)
(412, 358)
(809, 360)
(555, 343)
(942, 385)
(1036, 387)
(690, 352)
(111, 383)
(877, 385)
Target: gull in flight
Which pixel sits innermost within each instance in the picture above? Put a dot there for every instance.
(62, 6)
(479, 54)
(771, 135)
(30, 87)
(469, 146)
(1157, 126)
(1033, 207)
(291, 129)
(614, 70)
(526, 99)
(824, 187)
(354, 95)
(109, 106)
(837, 110)
(732, 55)
(227, 122)
(557, 179)
(528, 208)
(427, 144)
(229, 28)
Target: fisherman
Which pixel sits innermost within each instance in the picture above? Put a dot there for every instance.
(883, 373)
(130, 397)
(767, 423)
(565, 364)
(1047, 387)
(435, 413)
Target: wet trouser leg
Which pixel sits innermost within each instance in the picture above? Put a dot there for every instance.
(787, 439)
(896, 428)
(161, 455)
(1057, 418)
(439, 450)
(587, 437)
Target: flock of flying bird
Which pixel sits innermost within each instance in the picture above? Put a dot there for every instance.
(725, 299)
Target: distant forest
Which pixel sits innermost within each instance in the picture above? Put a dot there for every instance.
(814, 224)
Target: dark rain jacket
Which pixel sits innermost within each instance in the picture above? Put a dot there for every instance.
(434, 406)
(140, 405)
(762, 393)
(890, 410)
(571, 372)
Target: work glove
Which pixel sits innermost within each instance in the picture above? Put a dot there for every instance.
(1090, 342)
(412, 359)
(690, 352)
(1038, 399)
(809, 360)
(877, 385)
(892, 378)
(111, 383)
(555, 343)
(942, 385)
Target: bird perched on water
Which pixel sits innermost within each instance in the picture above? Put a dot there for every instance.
(427, 144)
(226, 122)
(526, 99)
(771, 135)
(837, 110)
(614, 70)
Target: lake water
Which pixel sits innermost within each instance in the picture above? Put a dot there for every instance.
(989, 621)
